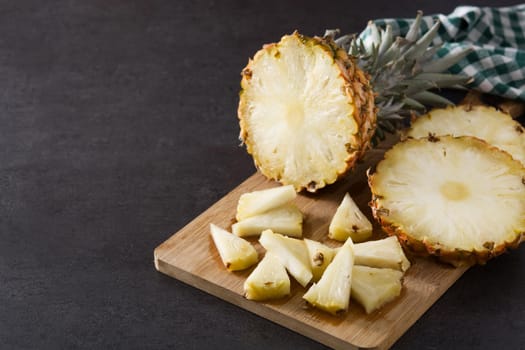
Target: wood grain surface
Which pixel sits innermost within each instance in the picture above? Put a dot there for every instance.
(190, 256)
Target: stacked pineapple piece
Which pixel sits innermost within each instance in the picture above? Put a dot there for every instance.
(369, 272)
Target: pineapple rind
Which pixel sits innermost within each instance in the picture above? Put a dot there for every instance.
(486, 123)
(406, 199)
(286, 219)
(269, 280)
(332, 292)
(349, 221)
(306, 111)
(236, 253)
(258, 202)
(374, 287)
(291, 252)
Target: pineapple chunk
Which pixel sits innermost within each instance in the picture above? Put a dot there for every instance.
(373, 287)
(258, 202)
(349, 221)
(332, 292)
(286, 219)
(236, 253)
(291, 252)
(320, 257)
(385, 252)
(268, 280)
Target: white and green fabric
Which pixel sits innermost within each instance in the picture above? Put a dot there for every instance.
(497, 35)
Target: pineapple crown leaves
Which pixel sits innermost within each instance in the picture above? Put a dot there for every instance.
(402, 70)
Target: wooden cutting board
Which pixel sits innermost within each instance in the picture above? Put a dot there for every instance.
(190, 256)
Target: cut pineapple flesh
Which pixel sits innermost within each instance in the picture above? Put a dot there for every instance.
(374, 287)
(291, 252)
(349, 221)
(332, 292)
(385, 253)
(320, 257)
(486, 123)
(269, 280)
(235, 252)
(306, 111)
(258, 202)
(286, 219)
(457, 198)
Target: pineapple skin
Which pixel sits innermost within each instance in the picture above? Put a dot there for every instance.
(356, 86)
(456, 257)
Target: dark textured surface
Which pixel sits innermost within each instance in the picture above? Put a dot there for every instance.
(117, 127)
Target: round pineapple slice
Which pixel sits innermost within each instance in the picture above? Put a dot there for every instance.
(457, 198)
(306, 112)
(486, 123)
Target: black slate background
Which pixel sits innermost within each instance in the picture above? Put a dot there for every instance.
(117, 127)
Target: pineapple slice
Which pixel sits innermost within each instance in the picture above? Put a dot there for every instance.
(320, 257)
(236, 253)
(457, 198)
(258, 202)
(269, 280)
(332, 292)
(306, 111)
(349, 221)
(386, 253)
(286, 219)
(373, 287)
(486, 123)
(291, 252)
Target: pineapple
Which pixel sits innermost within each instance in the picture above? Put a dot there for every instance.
(291, 252)
(235, 252)
(320, 256)
(385, 253)
(349, 221)
(332, 292)
(286, 219)
(258, 202)
(269, 280)
(486, 123)
(310, 106)
(454, 197)
(373, 287)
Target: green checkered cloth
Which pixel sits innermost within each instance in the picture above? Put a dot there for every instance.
(497, 35)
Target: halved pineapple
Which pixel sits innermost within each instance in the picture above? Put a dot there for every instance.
(291, 252)
(349, 221)
(320, 257)
(374, 287)
(383, 253)
(286, 219)
(269, 280)
(486, 123)
(457, 198)
(306, 111)
(332, 292)
(258, 202)
(235, 252)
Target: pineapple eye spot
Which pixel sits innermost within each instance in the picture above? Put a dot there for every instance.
(454, 190)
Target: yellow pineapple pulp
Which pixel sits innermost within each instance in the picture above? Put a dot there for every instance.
(235, 252)
(269, 280)
(349, 221)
